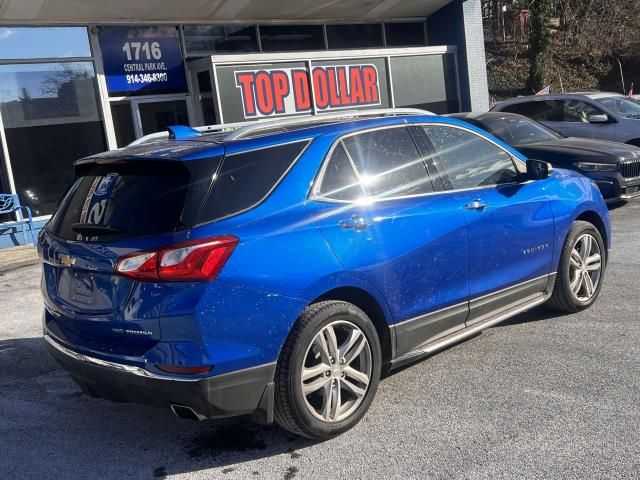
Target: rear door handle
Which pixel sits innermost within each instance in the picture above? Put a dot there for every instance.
(476, 205)
(356, 222)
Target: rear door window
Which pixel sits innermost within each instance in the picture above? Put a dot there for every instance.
(133, 198)
(388, 162)
(246, 179)
(339, 181)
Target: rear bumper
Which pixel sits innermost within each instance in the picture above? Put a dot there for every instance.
(248, 391)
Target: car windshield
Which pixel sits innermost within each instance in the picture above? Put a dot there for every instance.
(623, 106)
(517, 130)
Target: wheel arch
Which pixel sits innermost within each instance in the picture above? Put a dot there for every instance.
(594, 219)
(369, 305)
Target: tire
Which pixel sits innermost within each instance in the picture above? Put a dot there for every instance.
(305, 353)
(565, 296)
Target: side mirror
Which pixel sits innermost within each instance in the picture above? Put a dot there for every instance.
(538, 170)
(599, 118)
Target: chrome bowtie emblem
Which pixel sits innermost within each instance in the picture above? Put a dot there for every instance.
(67, 261)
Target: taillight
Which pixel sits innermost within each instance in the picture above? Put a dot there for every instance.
(189, 261)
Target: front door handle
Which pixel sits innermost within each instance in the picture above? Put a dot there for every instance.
(476, 205)
(356, 222)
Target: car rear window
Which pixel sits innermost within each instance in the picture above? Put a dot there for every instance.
(246, 179)
(133, 198)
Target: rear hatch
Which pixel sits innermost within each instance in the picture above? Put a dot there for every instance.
(117, 206)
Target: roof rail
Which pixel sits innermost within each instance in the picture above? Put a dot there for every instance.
(223, 127)
(243, 129)
(255, 127)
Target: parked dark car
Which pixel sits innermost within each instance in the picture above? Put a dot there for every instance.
(599, 115)
(615, 167)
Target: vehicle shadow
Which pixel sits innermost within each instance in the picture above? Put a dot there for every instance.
(96, 438)
(537, 314)
(615, 205)
(45, 416)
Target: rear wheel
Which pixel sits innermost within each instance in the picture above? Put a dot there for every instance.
(582, 265)
(328, 371)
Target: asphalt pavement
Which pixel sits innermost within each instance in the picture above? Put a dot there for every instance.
(540, 396)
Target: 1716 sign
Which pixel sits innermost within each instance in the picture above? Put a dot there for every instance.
(142, 60)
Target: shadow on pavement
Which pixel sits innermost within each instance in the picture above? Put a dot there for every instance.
(50, 418)
(112, 440)
(616, 205)
(535, 315)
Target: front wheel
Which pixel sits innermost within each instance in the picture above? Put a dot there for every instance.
(581, 268)
(328, 371)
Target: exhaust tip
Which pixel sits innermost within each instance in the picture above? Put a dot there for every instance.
(183, 411)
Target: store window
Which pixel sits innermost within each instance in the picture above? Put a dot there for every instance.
(43, 42)
(202, 40)
(206, 97)
(289, 38)
(405, 34)
(358, 35)
(51, 118)
(437, 88)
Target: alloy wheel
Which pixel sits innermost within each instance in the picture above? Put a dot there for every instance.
(585, 267)
(336, 371)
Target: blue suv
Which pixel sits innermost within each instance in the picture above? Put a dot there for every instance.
(279, 268)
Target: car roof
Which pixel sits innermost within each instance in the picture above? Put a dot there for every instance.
(207, 145)
(556, 96)
(480, 116)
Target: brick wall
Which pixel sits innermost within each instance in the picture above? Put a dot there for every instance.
(476, 62)
(460, 23)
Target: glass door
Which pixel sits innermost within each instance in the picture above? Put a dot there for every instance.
(134, 118)
(204, 93)
(155, 115)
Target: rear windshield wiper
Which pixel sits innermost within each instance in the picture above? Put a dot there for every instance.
(90, 228)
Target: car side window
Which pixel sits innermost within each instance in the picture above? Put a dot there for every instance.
(339, 180)
(389, 163)
(577, 111)
(245, 179)
(468, 160)
(539, 110)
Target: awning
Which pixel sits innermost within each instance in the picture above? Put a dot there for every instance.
(100, 11)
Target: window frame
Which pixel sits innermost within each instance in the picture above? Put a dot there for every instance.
(317, 182)
(199, 222)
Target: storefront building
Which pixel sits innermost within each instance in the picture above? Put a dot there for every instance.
(78, 78)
